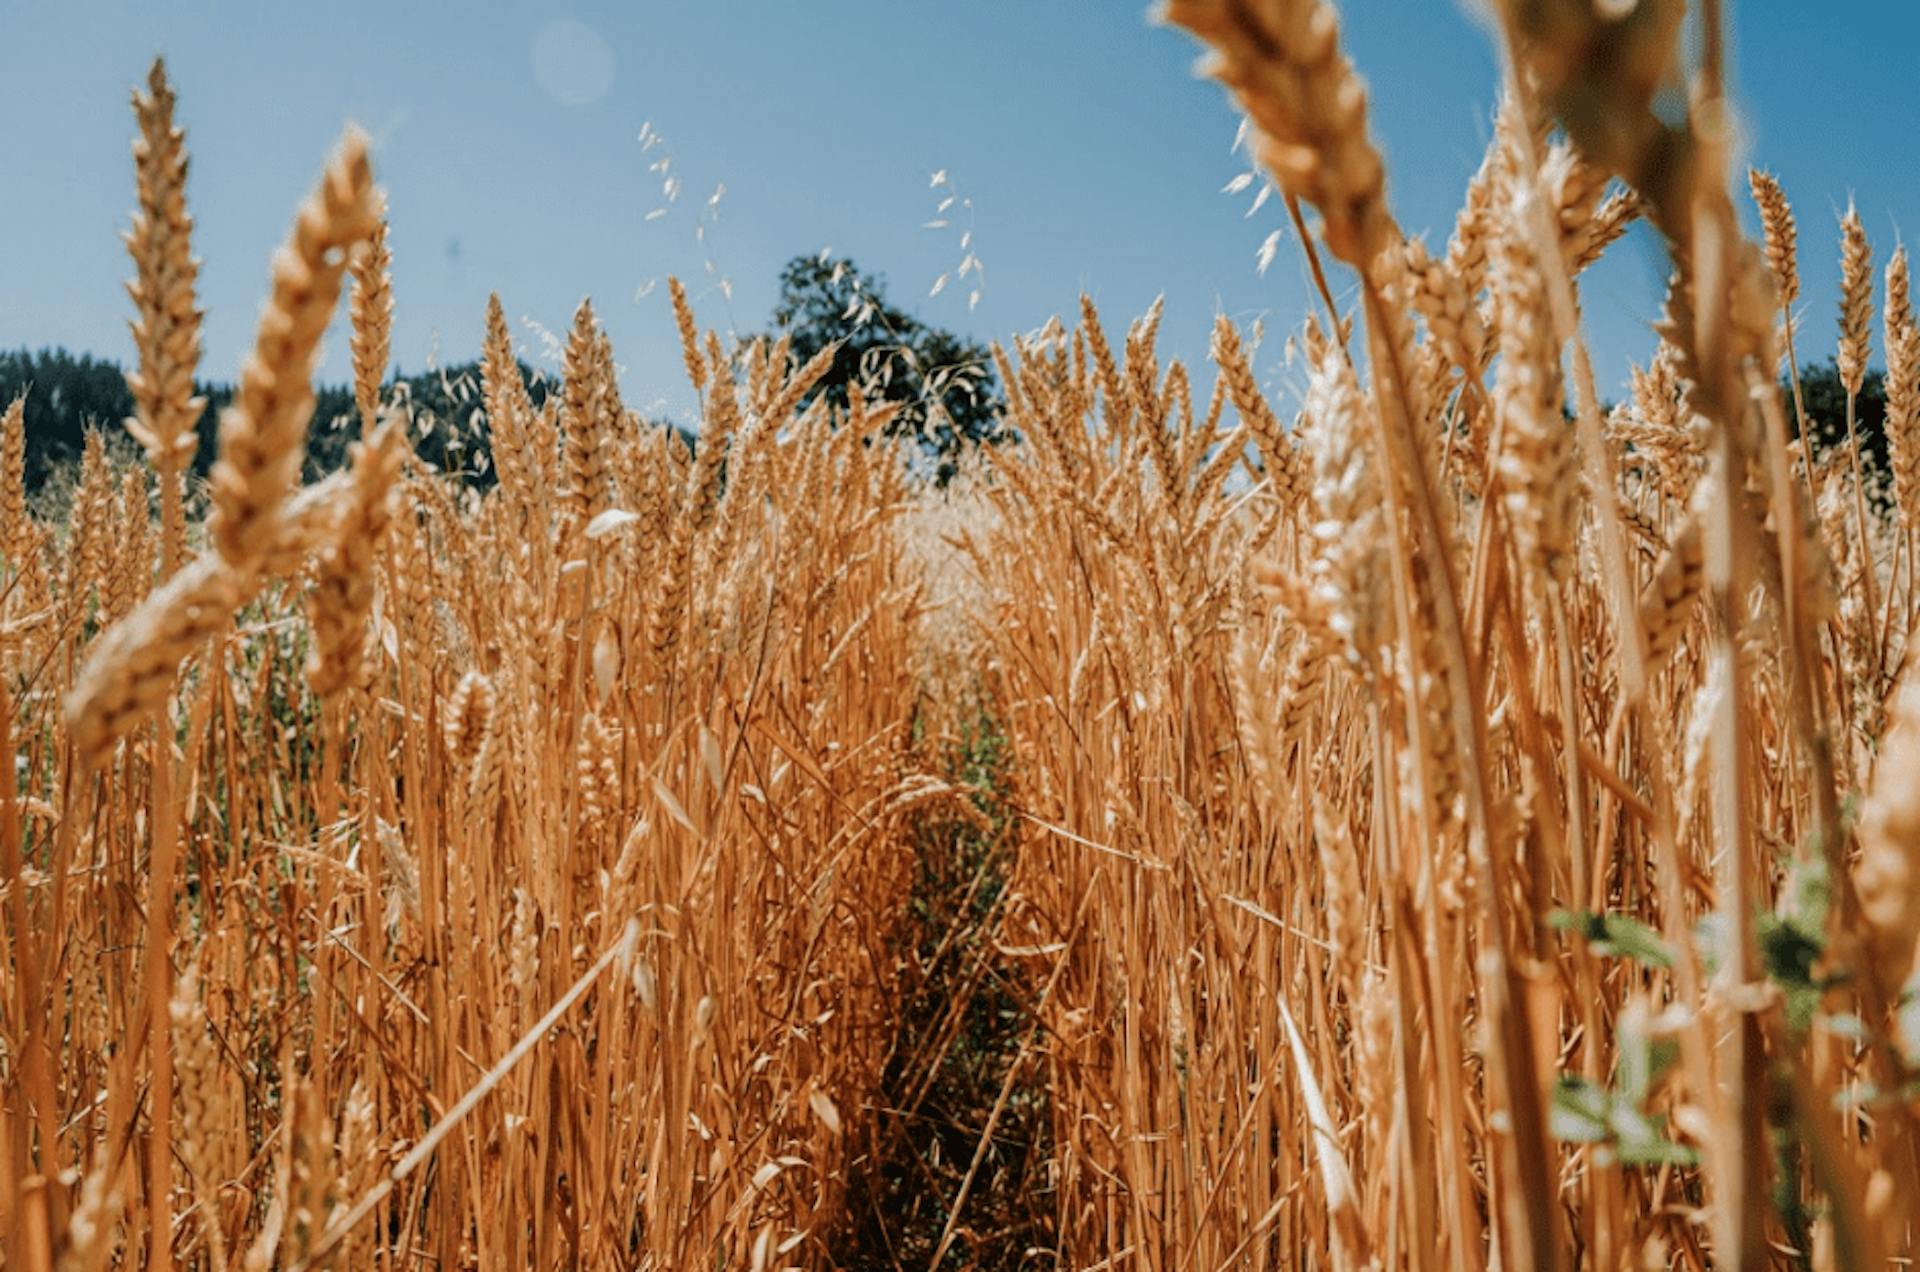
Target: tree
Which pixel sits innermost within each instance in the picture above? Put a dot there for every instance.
(1826, 402)
(67, 394)
(943, 382)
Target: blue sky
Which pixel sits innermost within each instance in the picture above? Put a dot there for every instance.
(507, 136)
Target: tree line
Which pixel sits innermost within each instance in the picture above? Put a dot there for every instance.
(944, 383)
(68, 393)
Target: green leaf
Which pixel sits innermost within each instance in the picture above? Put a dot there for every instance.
(1584, 923)
(1811, 892)
(1640, 1140)
(1615, 936)
(1789, 951)
(1655, 1151)
(1579, 1111)
(1643, 1062)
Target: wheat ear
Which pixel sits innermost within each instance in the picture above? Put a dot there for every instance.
(371, 309)
(166, 326)
(1282, 61)
(263, 434)
(342, 599)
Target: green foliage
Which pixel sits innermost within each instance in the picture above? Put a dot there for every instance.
(69, 393)
(1789, 1167)
(449, 420)
(1788, 952)
(945, 384)
(1583, 1113)
(1792, 940)
(1614, 936)
(1825, 399)
(964, 1016)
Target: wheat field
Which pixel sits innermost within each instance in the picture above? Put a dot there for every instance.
(1442, 821)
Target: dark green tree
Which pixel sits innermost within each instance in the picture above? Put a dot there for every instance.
(1826, 402)
(944, 383)
(66, 394)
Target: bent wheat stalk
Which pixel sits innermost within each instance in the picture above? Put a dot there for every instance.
(263, 434)
(338, 1231)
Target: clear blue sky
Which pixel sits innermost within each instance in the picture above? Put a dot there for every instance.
(1092, 157)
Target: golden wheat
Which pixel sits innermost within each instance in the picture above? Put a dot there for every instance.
(1424, 823)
